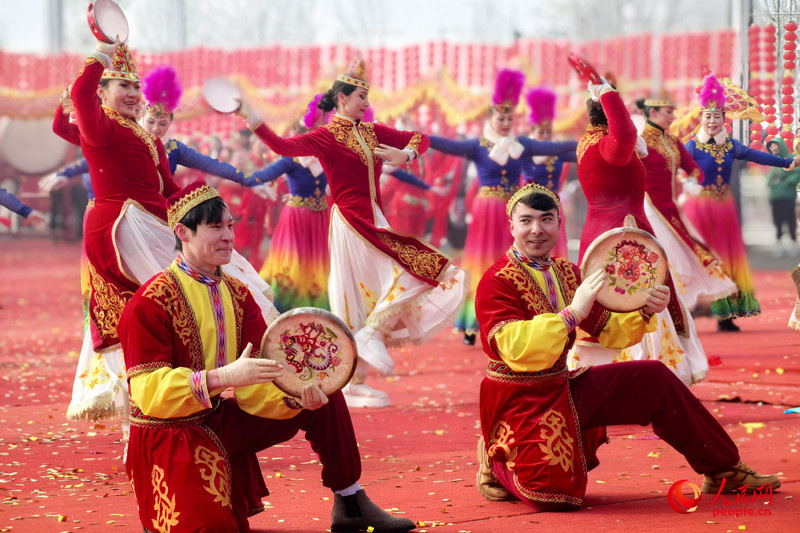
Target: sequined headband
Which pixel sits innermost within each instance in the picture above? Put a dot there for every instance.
(504, 108)
(531, 188)
(181, 208)
(354, 81)
(158, 110)
(659, 103)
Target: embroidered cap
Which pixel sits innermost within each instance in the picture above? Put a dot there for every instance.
(661, 100)
(531, 188)
(186, 199)
(356, 74)
(122, 67)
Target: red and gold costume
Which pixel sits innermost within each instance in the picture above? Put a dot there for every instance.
(374, 285)
(542, 424)
(126, 236)
(129, 170)
(697, 270)
(191, 456)
(344, 149)
(613, 180)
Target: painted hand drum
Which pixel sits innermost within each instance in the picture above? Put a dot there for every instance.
(106, 20)
(314, 347)
(584, 69)
(222, 95)
(635, 262)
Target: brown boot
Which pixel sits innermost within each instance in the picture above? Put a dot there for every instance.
(357, 513)
(740, 476)
(488, 485)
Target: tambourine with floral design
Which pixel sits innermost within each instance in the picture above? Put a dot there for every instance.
(314, 347)
(635, 263)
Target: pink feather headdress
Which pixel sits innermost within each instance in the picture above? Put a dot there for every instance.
(507, 90)
(162, 91)
(542, 101)
(314, 114)
(711, 94)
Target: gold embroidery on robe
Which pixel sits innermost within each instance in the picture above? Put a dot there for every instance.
(108, 303)
(500, 440)
(164, 506)
(419, 261)
(212, 468)
(665, 144)
(147, 138)
(559, 448)
(503, 191)
(415, 141)
(717, 151)
(592, 136)
(532, 294)
(166, 292)
(343, 131)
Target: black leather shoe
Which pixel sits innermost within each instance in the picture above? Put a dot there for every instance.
(727, 325)
(357, 513)
(469, 339)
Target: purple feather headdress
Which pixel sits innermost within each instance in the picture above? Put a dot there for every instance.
(507, 90)
(711, 94)
(162, 91)
(542, 101)
(314, 114)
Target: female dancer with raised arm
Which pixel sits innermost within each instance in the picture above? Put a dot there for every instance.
(388, 287)
(126, 236)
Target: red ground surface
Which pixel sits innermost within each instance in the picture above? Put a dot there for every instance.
(418, 455)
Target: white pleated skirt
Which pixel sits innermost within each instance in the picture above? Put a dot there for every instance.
(368, 288)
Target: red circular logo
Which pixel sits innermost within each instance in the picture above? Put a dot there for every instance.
(679, 501)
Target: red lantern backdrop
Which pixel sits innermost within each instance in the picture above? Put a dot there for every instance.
(454, 79)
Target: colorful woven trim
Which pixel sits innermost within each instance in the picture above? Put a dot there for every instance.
(199, 387)
(525, 191)
(291, 402)
(353, 81)
(536, 264)
(179, 209)
(570, 318)
(195, 274)
(217, 307)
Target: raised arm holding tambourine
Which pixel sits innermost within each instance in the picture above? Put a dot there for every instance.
(618, 238)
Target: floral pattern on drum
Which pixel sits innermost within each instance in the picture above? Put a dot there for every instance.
(631, 267)
(311, 351)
